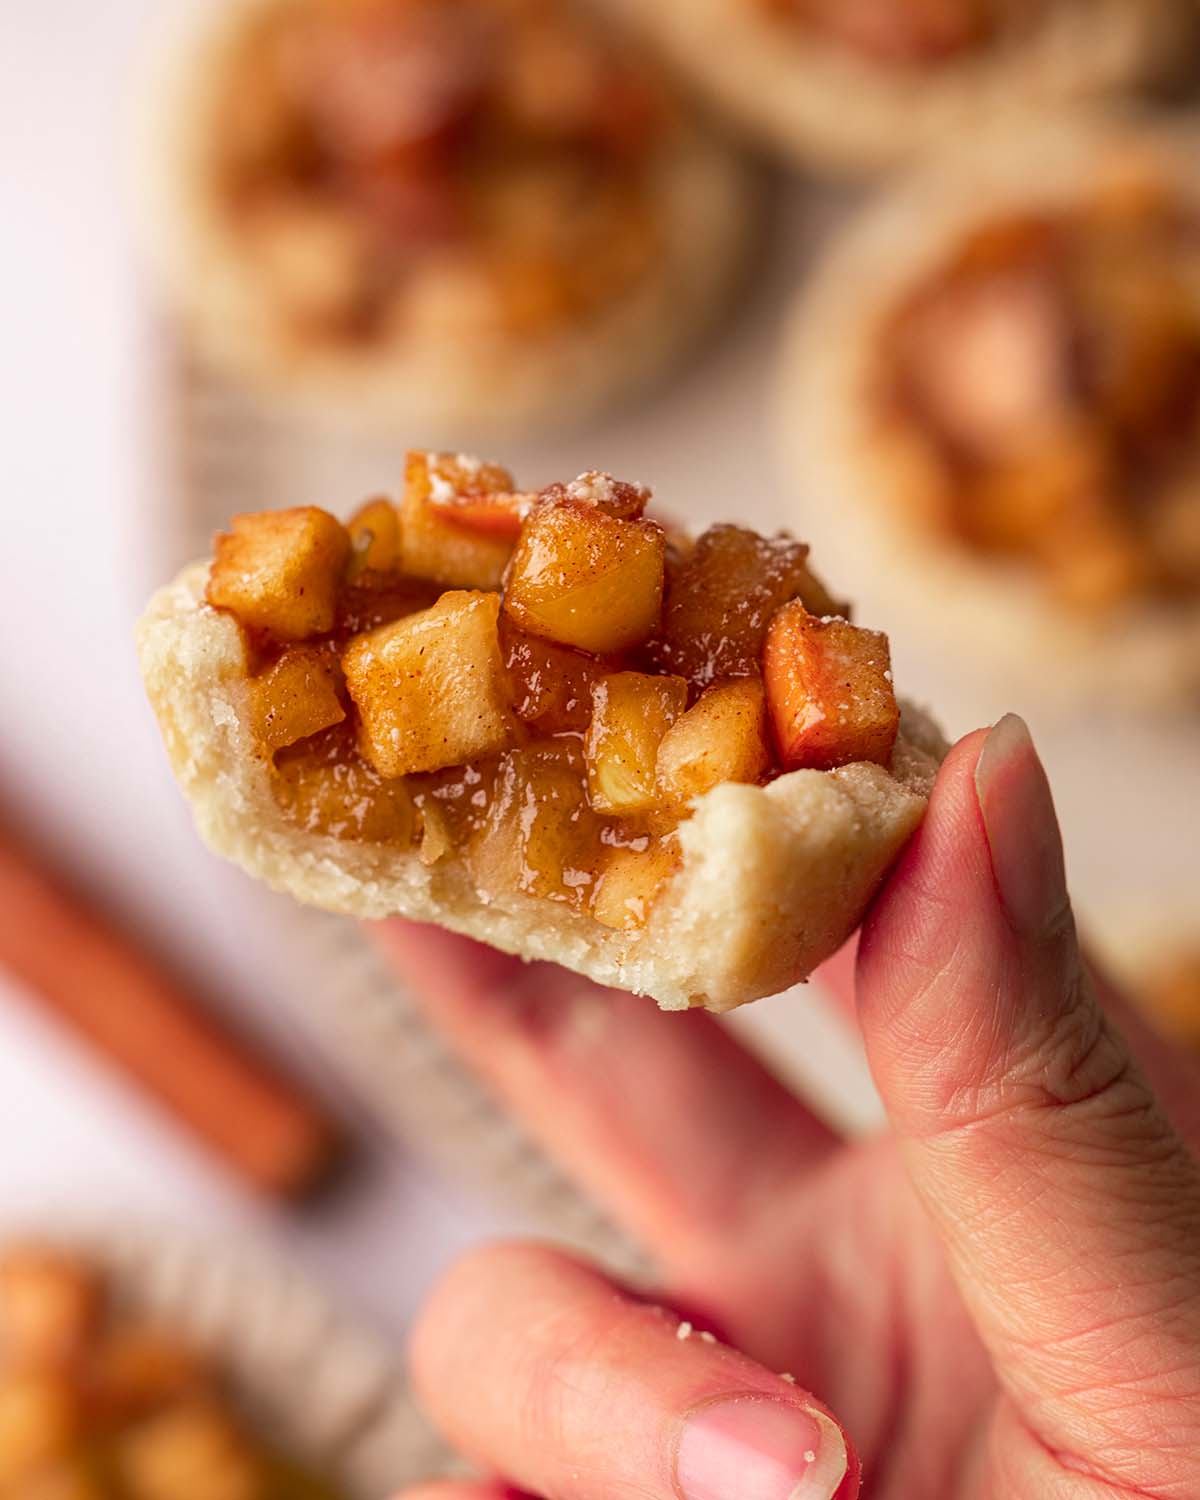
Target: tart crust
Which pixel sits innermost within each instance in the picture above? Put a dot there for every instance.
(794, 97)
(773, 878)
(1143, 654)
(487, 382)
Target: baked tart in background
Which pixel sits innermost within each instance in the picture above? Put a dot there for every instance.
(547, 721)
(993, 387)
(489, 215)
(854, 86)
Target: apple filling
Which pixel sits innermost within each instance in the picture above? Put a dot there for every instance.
(538, 685)
(1046, 381)
(905, 33)
(437, 163)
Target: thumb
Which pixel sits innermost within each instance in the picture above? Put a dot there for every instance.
(1069, 1208)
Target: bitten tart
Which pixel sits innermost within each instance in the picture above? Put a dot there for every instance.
(853, 86)
(545, 720)
(995, 384)
(97, 1403)
(463, 214)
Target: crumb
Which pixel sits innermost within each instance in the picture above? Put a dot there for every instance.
(684, 1331)
(784, 1375)
(708, 1338)
(809, 1456)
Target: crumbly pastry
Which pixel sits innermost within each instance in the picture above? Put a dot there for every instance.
(484, 215)
(542, 721)
(100, 1404)
(993, 385)
(853, 86)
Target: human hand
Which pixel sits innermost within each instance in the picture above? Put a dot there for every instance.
(999, 1299)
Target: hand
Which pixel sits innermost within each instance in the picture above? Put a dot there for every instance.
(999, 1300)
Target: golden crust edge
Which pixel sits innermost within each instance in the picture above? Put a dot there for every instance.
(798, 106)
(774, 879)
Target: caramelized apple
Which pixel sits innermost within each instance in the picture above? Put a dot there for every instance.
(722, 737)
(539, 836)
(631, 711)
(615, 497)
(499, 515)
(296, 697)
(433, 547)
(586, 579)
(430, 689)
(722, 598)
(630, 882)
(48, 1306)
(550, 686)
(324, 786)
(375, 537)
(278, 571)
(829, 691)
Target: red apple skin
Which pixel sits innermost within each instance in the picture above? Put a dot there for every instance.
(829, 692)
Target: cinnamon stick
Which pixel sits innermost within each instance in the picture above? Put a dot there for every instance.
(77, 965)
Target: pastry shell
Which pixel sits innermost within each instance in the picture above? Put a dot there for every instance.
(773, 879)
(445, 381)
(822, 106)
(986, 613)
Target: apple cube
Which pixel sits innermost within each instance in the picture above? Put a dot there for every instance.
(615, 497)
(375, 537)
(432, 546)
(551, 686)
(631, 711)
(721, 600)
(539, 835)
(499, 515)
(586, 579)
(722, 737)
(629, 883)
(48, 1306)
(431, 688)
(278, 571)
(295, 697)
(829, 691)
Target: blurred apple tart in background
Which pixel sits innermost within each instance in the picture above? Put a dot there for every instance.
(545, 720)
(997, 380)
(854, 86)
(97, 1403)
(483, 214)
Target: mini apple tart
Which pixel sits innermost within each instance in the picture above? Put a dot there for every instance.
(464, 213)
(996, 385)
(546, 721)
(853, 86)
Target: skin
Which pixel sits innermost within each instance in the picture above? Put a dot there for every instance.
(998, 1298)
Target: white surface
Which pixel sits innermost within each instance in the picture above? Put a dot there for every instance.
(87, 531)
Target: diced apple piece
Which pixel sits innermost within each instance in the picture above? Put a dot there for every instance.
(48, 1306)
(615, 497)
(39, 1420)
(722, 737)
(376, 599)
(431, 688)
(539, 836)
(432, 546)
(188, 1448)
(375, 537)
(721, 600)
(278, 571)
(631, 711)
(324, 786)
(295, 697)
(629, 883)
(551, 686)
(499, 515)
(829, 691)
(586, 579)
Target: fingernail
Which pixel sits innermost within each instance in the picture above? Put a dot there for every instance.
(1022, 830)
(756, 1448)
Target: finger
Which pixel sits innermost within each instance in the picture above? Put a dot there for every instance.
(460, 1489)
(539, 1368)
(1069, 1206)
(671, 1124)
